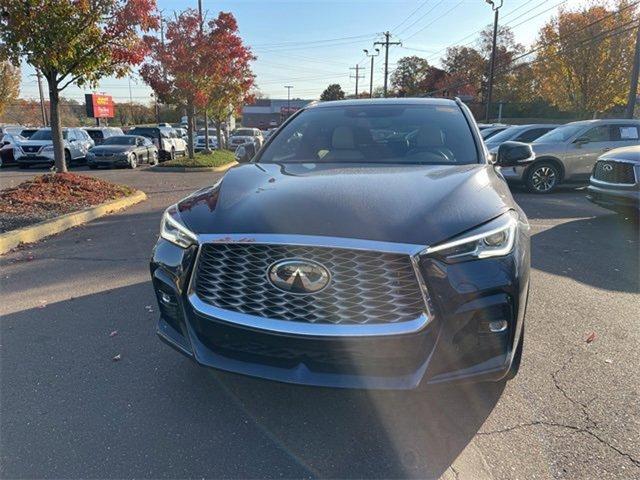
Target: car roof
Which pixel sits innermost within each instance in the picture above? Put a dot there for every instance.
(600, 121)
(383, 101)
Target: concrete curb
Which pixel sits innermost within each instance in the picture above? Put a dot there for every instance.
(38, 231)
(221, 168)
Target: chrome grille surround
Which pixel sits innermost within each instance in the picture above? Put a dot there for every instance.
(362, 299)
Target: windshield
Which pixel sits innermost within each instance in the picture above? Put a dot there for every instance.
(505, 135)
(244, 132)
(560, 134)
(120, 140)
(45, 135)
(411, 134)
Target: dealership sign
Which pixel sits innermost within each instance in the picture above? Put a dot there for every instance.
(99, 106)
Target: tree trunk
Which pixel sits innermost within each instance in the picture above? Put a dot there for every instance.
(190, 128)
(206, 132)
(56, 127)
(219, 135)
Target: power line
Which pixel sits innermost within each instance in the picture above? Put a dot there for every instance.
(435, 20)
(410, 15)
(424, 15)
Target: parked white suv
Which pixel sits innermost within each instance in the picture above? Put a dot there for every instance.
(568, 153)
(244, 135)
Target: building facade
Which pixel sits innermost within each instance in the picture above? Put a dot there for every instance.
(268, 113)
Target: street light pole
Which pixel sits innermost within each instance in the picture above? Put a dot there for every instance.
(288, 87)
(372, 56)
(496, 9)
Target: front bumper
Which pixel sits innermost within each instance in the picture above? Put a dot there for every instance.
(107, 161)
(454, 345)
(614, 197)
(513, 174)
(35, 159)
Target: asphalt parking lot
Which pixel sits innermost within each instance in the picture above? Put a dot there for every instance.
(68, 410)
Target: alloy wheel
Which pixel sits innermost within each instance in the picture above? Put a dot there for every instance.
(543, 178)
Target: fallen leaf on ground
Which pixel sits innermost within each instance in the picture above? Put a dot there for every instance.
(114, 333)
(591, 337)
(117, 358)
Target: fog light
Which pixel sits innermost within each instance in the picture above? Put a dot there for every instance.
(497, 326)
(166, 298)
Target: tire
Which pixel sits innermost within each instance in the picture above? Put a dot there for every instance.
(133, 161)
(153, 160)
(67, 158)
(542, 177)
(173, 153)
(517, 358)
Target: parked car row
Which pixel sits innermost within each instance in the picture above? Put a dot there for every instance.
(564, 153)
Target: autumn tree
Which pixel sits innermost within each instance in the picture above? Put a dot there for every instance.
(199, 64)
(74, 42)
(414, 76)
(9, 84)
(332, 92)
(585, 57)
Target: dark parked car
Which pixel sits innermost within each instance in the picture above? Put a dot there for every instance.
(335, 259)
(518, 133)
(123, 150)
(615, 180)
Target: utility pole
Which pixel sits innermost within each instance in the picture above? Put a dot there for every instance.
(288, 87)
(357, 76)
(205, 113)
(130, 100)
(633, 87)
(45, 123)
(496, 9)
(386, 44)
(371, 56)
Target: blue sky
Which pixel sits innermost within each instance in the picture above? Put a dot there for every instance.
(311, 43)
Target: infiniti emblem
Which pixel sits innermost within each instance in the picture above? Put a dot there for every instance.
(298, 276)
(607, 168)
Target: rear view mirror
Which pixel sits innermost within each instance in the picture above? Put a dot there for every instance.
(512, 154)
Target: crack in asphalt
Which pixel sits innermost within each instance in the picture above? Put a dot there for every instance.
(588, 430)
(455, 472)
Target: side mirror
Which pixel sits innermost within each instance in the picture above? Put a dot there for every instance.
(582, 140)
(514, 154)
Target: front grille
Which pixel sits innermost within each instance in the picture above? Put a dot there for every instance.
(366, 287)
(31, 148)
(619, 172)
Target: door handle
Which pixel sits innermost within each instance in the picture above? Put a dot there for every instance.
(606, 149)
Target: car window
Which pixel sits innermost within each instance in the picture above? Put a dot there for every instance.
(625, 133)
(601, 133)
(411, 134)
(507, 134)
(560, 134)
(146, 132)
(532, 134)
(120, 140)
(243, 132)
(71, 135)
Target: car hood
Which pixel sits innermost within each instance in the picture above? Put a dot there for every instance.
(405, 204)
(112, 149)
(548, 147)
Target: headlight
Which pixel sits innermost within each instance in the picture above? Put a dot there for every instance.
(48, 148)
(493, 239)
(173, 230)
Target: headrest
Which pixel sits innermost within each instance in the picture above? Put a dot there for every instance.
(429, 136)
(342, 138)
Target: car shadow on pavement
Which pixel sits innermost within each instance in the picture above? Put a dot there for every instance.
(87, 390)
(602, 251)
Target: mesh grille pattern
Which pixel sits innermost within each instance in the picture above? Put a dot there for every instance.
(620, 172)
(366, 287)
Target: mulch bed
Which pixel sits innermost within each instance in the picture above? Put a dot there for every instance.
(52, 195)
